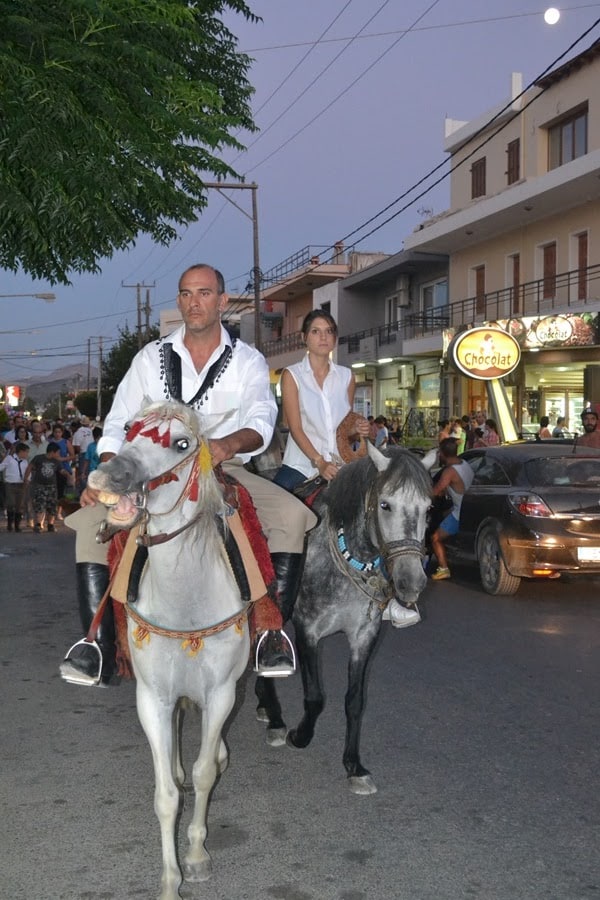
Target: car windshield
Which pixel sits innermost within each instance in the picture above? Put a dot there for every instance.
(563, 470)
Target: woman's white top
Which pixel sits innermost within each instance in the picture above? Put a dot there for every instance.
(321, 411)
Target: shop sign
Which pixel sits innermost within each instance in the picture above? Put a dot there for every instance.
(553, 330)
(485, 353)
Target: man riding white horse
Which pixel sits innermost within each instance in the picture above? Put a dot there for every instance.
(227, 383)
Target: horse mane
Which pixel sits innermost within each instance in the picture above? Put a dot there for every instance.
(354, 480)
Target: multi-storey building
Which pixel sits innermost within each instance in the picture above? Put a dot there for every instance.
(523, 238)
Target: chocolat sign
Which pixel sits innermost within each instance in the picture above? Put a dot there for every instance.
(485, 353)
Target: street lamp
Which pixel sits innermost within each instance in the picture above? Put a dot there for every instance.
(49, 298)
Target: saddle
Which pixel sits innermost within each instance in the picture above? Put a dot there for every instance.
(246, 549)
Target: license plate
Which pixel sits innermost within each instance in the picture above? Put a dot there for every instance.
(588, 554)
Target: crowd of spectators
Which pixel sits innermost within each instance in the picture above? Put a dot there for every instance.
(44, 467)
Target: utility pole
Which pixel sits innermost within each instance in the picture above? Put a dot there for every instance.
(89, 364)
(256, 273)
(138, 292)
(99, 383)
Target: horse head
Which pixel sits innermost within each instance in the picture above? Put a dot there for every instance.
(397, 504)
(163, 448)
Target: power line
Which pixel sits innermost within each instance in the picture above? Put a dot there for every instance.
(376, 34)
(317, 77)
(440, 165)
(345, 90)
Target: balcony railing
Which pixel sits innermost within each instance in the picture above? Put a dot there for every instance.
(305, 257)
(577, 288)
(552, 293)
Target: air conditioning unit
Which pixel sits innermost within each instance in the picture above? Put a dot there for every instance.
(403, 289)
(406, 376)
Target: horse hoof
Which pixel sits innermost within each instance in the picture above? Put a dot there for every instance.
(196, 872)
(362, 784)
(292, 740)
(262, 715)
(276, 737)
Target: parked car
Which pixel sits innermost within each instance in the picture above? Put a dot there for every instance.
(533, 511)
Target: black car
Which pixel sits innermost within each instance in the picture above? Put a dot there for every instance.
(533, 511)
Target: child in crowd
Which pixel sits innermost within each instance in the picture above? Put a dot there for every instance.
(43, 471)
(14, 466)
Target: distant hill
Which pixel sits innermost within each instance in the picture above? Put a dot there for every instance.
(43, 388)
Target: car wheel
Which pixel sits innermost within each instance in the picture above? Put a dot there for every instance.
(495, 577)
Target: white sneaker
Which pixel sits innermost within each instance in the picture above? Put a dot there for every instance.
(399, 615)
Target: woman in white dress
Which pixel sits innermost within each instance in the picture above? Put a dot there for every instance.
(317, 394)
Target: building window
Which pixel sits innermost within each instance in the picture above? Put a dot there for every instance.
(513, 161)
(434, 299)
(479, 278)
(582, 265)
(567, 140)
(478, 178)
(515, 283)
(549, 268)
(391, 309)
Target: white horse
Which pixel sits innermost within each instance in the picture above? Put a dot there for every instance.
(187, 632)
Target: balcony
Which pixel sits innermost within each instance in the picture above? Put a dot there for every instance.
(554, 294)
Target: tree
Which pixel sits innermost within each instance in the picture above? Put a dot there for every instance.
(118, 359)
(110, 113)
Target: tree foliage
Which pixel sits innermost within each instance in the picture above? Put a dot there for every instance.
(111, 114)
(118, 360)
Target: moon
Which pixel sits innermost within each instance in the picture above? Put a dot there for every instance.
(551, 16)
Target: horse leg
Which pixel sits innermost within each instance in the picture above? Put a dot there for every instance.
(269, 711)
(197, 864)
(360, 780)
(157, 722)
(308, 655)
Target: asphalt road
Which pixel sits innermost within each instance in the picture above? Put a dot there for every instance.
(481, 734)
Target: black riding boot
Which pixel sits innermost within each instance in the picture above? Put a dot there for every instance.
(275, 651)
(18, 518)
(92, 582)
(10, 519)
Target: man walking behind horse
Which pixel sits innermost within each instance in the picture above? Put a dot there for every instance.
(227, 382)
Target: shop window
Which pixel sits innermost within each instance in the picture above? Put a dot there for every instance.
(567, 140)
(513, 161)
(478, 178)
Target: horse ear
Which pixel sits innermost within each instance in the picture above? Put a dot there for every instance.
(381, 461)
(430, 459)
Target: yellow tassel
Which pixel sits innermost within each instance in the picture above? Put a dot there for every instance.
(239, 626)
(204, 459)
(192, 645)
(140, 635)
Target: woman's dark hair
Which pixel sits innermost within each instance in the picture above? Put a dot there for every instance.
(318, 314)
(544, 422)
(491, 423)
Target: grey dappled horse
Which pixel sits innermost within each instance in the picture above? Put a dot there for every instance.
(367, 548)
(187, 632)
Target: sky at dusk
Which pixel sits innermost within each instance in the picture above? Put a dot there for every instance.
(350, 98)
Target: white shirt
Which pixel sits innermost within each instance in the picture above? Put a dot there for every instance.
(82, 438)
(321, 411)
(13, 472)
(240, 398)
